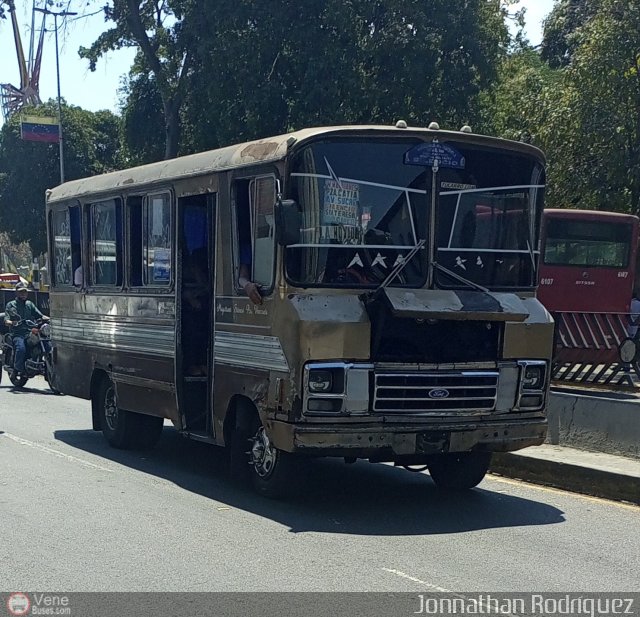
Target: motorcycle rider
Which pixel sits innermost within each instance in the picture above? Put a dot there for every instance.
(17, 312)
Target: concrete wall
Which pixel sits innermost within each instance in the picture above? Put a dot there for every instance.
(595, 423)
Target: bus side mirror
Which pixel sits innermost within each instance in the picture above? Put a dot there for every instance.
(288, 222)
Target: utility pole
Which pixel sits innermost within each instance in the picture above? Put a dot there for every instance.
(57, 14)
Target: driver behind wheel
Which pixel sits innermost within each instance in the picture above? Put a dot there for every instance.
(17, 313)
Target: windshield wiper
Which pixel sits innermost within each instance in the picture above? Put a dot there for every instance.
(400, 267)
(459, 278)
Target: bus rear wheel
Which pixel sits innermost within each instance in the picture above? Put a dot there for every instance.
(459, 471)
(124, 429)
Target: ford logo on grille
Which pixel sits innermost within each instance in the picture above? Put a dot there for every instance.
(439, 393)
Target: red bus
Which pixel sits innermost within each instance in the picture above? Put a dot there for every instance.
(586, 279)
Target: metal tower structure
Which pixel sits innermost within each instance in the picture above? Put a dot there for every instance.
(12, 98)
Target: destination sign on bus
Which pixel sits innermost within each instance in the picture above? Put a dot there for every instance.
(427, 154)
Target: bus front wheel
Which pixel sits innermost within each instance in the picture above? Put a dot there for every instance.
(272, 470)
(459, 470)
(124, 429)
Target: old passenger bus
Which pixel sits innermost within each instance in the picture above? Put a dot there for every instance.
(397, 321)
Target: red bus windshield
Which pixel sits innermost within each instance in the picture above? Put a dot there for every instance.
(587, 243)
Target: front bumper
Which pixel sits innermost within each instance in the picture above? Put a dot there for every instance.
(388, 442)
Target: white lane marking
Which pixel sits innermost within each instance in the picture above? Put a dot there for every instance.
(69, 457)
(417, 580)
(479, 599)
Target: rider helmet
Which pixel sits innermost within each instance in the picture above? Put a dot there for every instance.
(21, 287)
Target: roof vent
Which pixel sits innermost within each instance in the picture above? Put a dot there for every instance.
(401, 124)
(466, 129)
(434, 126)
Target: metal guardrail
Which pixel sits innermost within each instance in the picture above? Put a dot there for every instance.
(587, 349)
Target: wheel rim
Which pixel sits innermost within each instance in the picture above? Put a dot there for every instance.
(111, 408)
(263, 454)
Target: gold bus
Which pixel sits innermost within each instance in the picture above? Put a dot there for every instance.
(397, 319)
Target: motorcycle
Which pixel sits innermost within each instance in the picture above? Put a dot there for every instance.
(39, 360)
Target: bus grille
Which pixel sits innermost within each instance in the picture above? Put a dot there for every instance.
(455, 392)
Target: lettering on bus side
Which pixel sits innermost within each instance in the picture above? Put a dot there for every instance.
(546, 281)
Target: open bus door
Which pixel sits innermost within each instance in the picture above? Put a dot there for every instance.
(194, 303)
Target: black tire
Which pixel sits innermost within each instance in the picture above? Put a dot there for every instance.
(239, 449)
(49, 375)
(18, 382)
(459, 471)
(124, 429)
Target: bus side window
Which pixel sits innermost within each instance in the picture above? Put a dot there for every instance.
(263, 196)
(150, 240)
(62, 255)
(106, 242)
(254, 201)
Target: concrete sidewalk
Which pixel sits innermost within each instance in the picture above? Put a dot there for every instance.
(590, 473)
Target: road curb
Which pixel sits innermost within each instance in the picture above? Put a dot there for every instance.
(579, 479)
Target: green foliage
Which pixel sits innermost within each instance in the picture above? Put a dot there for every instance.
(14, 257)
(253, 74)
(515, 106)
(563, 28)
(584, 113)
(91, 146)
(158, 29)
(142, 118)
(598, 153)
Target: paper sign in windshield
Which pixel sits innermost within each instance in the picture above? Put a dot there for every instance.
(427, 154)
(161, 265)
(341, 203)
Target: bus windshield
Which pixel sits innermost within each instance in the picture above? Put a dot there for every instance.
(587, 243)
(365, 205)
(363, 211)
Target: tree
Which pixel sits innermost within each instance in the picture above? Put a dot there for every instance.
(141, 116)
(562, 30)
(517, 106)
(28, 169)
(343, 62)
(595, 135)
(165, 51)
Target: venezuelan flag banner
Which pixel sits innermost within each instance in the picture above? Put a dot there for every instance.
(39, 128)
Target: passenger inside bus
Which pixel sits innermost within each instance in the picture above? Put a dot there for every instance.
(78, 272)
(244, 241)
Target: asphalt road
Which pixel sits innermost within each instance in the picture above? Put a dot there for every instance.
(77, 515)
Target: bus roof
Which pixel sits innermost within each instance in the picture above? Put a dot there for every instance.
(270, 149)
(588, 215)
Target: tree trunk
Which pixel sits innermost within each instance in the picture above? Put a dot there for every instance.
(172, 129)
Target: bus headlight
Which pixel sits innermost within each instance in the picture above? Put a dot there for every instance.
(331, 388)
(320, 381)
(533, 380)
(533, 377)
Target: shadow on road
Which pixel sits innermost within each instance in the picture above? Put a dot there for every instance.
(363, 499)
(11, 389)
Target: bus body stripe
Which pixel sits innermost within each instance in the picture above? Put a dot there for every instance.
(250, 350)
(232, 348)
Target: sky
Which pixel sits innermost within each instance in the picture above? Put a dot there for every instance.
(99, 90)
